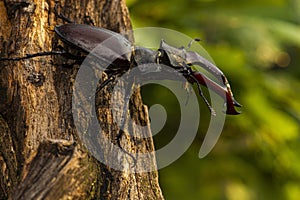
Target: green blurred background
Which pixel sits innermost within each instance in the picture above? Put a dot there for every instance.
(257, 45)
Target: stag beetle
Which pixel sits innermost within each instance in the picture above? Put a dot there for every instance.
(86, 38)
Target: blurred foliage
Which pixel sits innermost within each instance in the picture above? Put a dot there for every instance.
(257, 45)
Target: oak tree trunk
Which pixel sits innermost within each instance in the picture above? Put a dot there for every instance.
(42, 155)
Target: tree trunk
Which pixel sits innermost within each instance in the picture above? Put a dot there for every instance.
(42, 154)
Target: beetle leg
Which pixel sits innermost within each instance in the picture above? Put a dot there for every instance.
(62, 16)
(50, 53)
(111, 78)
(88, 20)
(128, 89)
(119, 137)
(121, 132)
(213, 112)
(186, 70)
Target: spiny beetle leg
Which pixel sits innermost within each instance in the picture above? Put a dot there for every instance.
(187, 71)
(213, 112)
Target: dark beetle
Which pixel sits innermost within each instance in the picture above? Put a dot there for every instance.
(86, 38)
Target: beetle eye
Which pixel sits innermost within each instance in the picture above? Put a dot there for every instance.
(159, 56)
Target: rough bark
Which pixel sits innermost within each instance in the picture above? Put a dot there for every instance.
(41, 154)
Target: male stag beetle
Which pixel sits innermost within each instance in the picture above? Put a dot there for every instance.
(86, 38)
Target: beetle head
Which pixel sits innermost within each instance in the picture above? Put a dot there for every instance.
(182, 60)
(171, 56)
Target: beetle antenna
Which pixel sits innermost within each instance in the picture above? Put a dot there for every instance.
(192, 41)
(213, 112)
